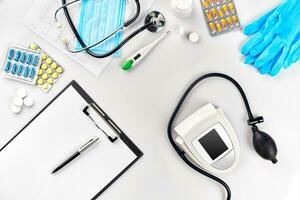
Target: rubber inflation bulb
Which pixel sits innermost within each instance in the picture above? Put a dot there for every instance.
(264, 145)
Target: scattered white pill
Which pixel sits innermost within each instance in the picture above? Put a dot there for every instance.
(21, 92)
(193, 37)
(28, 101)
(15, 109)
(18, 101)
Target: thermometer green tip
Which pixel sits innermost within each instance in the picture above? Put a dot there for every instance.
(127, 65)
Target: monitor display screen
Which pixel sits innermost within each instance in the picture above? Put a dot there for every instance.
(213, 144)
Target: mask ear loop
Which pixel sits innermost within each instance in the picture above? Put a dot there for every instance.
(262, 142)
(119, 21)
(129, 10)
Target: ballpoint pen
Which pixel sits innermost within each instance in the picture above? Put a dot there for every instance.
(81, 150)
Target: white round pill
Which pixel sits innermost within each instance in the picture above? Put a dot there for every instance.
(28, 101)
(18, 101)
(21, 92)
(15, 109)
(194, 37)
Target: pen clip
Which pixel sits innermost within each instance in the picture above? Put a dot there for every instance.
(87, 145)
(102, 121)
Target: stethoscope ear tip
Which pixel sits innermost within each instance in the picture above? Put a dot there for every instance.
(65, 40)
(58, 25)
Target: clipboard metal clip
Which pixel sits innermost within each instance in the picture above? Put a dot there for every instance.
(102, 122)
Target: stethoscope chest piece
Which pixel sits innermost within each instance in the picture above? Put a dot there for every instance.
(158, 19)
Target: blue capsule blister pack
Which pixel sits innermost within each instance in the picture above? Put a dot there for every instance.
(22, 64)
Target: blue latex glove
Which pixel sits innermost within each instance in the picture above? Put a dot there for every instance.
(294, 54)
(259, 27)
(265, 69)
(287, 31)
(275, 43)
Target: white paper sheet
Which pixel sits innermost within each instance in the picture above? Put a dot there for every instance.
(27, 162)
(40, 19)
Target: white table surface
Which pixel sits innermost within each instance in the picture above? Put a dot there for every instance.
(141, 103)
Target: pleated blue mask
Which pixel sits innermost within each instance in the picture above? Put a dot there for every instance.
(99, 18)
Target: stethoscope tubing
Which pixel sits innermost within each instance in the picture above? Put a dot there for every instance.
(126, 24)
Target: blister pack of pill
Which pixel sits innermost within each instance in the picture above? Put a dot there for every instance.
(49, 72)
(22, 64)
(220, 15)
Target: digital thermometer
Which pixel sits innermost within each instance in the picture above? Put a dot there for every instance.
(139, 55)
(208, 140)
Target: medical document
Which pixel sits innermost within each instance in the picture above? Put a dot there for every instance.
(40, 19)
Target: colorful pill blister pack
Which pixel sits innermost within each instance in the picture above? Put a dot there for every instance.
(221, 16)
(22, 64)
(49, 71)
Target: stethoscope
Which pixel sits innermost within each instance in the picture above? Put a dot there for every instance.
(154, 22)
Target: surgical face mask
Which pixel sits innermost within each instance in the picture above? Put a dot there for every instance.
(99, 18)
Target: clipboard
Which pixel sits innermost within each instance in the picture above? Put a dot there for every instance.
(113, 156)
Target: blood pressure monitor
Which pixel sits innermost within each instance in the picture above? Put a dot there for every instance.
(208, 140)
